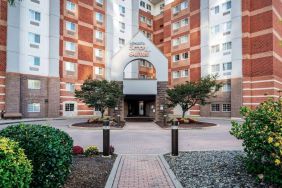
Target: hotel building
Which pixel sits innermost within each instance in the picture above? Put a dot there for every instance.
(49, 47)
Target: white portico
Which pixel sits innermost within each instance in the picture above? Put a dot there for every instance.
(142, 70)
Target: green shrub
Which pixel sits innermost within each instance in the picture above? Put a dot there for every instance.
(49, 149)
(262, 139)
(15, 168)
(91, 151)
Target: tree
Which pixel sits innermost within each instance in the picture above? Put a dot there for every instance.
(100, 94)
(191, 93)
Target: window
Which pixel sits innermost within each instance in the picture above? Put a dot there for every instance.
(99, 53)
(99, 35)
(70, 26)
(70, 46)
(69, 107)
(122, 25)
(184, 39)
(226, 5)
(176, 9)
(184, 5)
(184, 22)
(121, 9)
(70, 6)
(215, 107)
(215, 68)
(34, 60)
(176, 58)
(226, 87)
(149, 22)
(175, 42)
(184, 73)
(121, 41)
(215, 48)
(34, 15)
(226, 107)
(99, 17)
(149, 7)
(216, 9)
(34, 38)
(176, 25)
(70, 66)
(70, 87)
(215, 29)
(100, 2)
(142, 4)
(227, 66)
(176, 74)
(185, 55)
(226, 46)
(33, 107)
(227, 26)
(98, 71)
(143, 19)
(33, 84)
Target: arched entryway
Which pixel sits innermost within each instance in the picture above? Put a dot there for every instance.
(142, 70)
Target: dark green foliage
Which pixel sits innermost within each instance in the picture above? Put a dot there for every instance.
(100, 94)
(49, 149)
(15, 168)
(191, 93)
(12, 2)
(262, 139)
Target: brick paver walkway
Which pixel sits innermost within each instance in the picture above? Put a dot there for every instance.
(142, 171)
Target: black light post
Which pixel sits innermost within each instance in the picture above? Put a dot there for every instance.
(106, 138)
(174, 138)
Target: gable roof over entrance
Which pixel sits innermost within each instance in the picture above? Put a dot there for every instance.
(140, 47)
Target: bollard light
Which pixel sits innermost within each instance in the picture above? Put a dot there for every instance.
(165, 120)
(118, 120)
(174, 138)
(106, 138)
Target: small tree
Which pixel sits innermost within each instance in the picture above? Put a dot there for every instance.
(100, 94)
(191, 93)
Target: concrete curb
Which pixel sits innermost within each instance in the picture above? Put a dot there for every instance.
(28, 120)
(112, 176)
(173, 178)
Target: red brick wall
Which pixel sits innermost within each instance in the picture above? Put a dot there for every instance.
(86, 43)
(3, 48)
(262, 60)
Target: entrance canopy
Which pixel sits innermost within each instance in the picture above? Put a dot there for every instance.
(139, 48)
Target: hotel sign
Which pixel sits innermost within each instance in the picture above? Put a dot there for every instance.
(138, 49)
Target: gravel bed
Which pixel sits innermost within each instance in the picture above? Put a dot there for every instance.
(89, 172)
(212, 169)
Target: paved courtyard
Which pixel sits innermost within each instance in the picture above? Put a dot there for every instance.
(148, 138)
(140, 144)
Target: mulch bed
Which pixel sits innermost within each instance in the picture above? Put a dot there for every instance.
(90, 172)
(96, 125)
(194, 125)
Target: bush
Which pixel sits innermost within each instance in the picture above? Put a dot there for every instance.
(49, 149)
(91, 151)
(262, 139)
(15, 168)
(77, 150)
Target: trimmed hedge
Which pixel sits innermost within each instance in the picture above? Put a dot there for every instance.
(15, 168)
(262, 140)
(49, 149)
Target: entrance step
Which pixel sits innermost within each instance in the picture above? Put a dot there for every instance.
(139, 119)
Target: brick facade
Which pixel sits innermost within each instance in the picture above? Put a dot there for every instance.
(262, 57)
(3, 49)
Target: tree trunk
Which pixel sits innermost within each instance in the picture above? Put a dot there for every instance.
(183, 113)
(102, 112)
